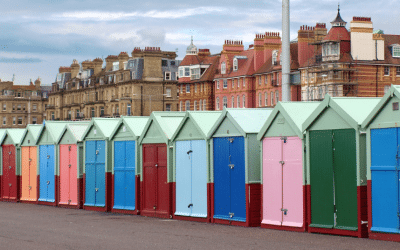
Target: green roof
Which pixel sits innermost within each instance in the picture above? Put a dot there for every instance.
(77, 130)
(55, 128)
(16, 135)
(393, 91)
(249, 121)
(2, 135)
(203, 120)
(34, 129)
(352, 109)
(136, 123)
(105, 125)
(295, 113)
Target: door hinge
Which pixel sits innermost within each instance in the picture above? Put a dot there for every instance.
(231, 215)
(69, 202)
(284, 211)
(190, 205)
(364, 222)
(282, 162)
(30, 159)
(231, 166)
(30, 187)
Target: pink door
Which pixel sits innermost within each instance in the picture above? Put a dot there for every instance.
(68, 175)
(272, 181)
(292, 183)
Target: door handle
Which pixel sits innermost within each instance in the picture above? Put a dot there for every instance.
(48, 156)
(48, 182)
(30, 159)
(231, 166)
(155, 207)
(156, 165)
(69, 165)
(96, 189)
(97, 152)
(190, 205)
(9, 152)
(30, 187)
(284, 211)
(231, 215)
(9, 167)
(9, 184)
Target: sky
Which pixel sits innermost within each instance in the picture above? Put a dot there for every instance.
(37, 37)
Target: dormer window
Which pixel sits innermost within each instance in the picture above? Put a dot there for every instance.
(223, 68)
(235, 64)
(330, 49)
(115, 66)
(275, 57)
(396, 50)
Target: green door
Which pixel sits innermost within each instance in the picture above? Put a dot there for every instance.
(345, 178)
(321, 179)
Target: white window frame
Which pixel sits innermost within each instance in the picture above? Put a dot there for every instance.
(272, 98)
(225, 84)
(181, 70)
(187, 88)
(396, 51)
(200, 105)
(223, 68)
(180, 106)
(398, 71)
(386, 88)
(225, 102)
(14, 120)
(244, 101)
(277, 96)
(204, 104)
(266, 99)
(195, 106)
(187, 72)
(217, 83)
(195, 88)
(34, 120)
(217, 103)
(388, 71)
(167, 107)
(168, 92)
(235, 64)
(232, 101)
(4, 120)
(244, 81)
(259, 99)
(187, 105)
(238, 101)
(167, 75)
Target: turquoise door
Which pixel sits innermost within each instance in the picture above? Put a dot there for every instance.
(46, 167)
(95, 173)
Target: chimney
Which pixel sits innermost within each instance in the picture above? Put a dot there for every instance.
(305, 49)
(364, 44)
(74, 68)
(87, 65)
(258, 51)
(272, 41)
(234, 47)
(109, 62)
(320, 32)
(38, 82)
(122, 57)
(98, 63)
(203, 53)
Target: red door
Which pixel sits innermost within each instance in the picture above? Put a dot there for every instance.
(9, 176)
(156, 198)
(68, 175)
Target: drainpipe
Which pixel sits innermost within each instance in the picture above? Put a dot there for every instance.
(285, 51)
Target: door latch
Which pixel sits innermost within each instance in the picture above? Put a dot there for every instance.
(190, 151)
(9, 153)
(156, 165)
(30, 187)
(231, 140)
(30, 159)
(69, 202)
(48, 156)
(69, 148)
(9, 184)
(231, 166)
(190, 205)
(282, 162)
(97, 152)
(96, 189)
(69, 165)
(284, 211)
(155, 207)
(284, 139)
(48, 182)
(9, 167)
(231, 215)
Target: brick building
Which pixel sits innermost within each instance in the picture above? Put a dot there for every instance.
(136, 85)
(357, 62)
(196, 75)
(22, 104)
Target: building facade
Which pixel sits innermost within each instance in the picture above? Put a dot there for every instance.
(22, 104)
(196, 75)
(136, 85)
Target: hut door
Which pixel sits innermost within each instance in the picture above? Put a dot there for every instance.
(9, 175)
(47, 173)
(32, 174)
(292, 182)
(385, 180)
(199, 178)
(68, 175)
(25, 173)
(229, 179)
(163, 195)
(272, 181)
(124, 175)
(95, 173)
(184, 157)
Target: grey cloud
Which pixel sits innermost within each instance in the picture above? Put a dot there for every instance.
(19, 60)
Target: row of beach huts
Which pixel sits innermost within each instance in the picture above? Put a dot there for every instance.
(324, 167)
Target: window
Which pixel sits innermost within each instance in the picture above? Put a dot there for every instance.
(117, 108)
(167, 76)
(92, 112)
(200, 107)
(217, 82)
(19, 120)
(128, 109)
(396, 51)
(225, 84)
(334, 49)
(172, 63)
(397, 71)
(187, 105)
(195, 88)
(238, 101)
(244, 82)
(217, 103)
(275, 57)
(4, 106)
(259, 99)
(235, 64)
(19, 107)
(115, 66)
(244, 101)
(266, 99)
(225, 102)
(259, 80)
(4, 120)
(101, 111)
(201, 87)
(187, 88)
(34, 120)
(223, 68)
(187, 71)
(181, 88)
(204, 104)
(237, 81)
(277, 97)
(164, 63)
(14, 119)
(272, 98)
(233, 83)
(52, 116)
(386, 88)
(233, 102)
(386, 71)
(180, 106)
(180, 71)
(34, 107)
(195, 106)
(168, 92)
(167, 107)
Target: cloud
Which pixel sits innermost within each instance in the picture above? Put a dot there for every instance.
(19, 60)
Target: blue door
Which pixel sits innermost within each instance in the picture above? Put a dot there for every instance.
(229, 179)
(46, 184)
(124, 175)
(385, 180)
(183, 178)
(199, 178)
(95, 174)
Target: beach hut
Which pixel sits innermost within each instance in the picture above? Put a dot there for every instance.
(11, 161)
(98, 163)
(70, 145)
(157, 166)
(192, 166)
(236, 187)
(336, 166)
(283, 167)
(2, 134)
(125, 154)
(29, 177)
(383, 142)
